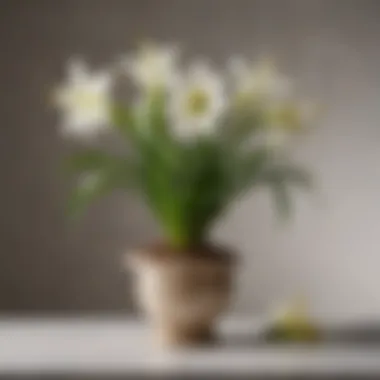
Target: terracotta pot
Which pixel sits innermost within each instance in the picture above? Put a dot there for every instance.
(182, 293)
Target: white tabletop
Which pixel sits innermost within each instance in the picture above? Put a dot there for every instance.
(116, 346)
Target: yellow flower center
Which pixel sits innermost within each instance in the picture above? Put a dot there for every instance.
(198, 102)
(86, 99)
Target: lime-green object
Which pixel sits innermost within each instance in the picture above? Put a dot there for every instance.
(294, 324)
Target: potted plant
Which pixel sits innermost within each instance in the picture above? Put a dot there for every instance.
(195, 141)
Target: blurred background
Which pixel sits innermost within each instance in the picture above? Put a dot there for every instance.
(328, 252)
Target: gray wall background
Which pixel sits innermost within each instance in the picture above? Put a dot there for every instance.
(329, 252)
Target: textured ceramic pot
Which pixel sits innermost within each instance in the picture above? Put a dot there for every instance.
(182, 293)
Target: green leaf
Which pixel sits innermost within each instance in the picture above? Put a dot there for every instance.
(97, 174)
(156, 113)
(85, 161)
(88, 191)
(289, 174)
(248, 169)
(242, 126)
(282, 199)
(123, 119)
(280, 178)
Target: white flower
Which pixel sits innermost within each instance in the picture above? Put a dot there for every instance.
(152, 66)
(197, 101)
(84, 100)
(260, 82)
